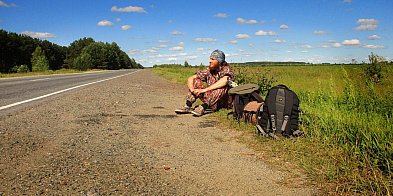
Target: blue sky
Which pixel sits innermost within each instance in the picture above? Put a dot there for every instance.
(174, 31)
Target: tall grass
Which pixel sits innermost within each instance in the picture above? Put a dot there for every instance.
(347, 120)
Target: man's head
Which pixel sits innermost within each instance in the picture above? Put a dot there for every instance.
(217, 57)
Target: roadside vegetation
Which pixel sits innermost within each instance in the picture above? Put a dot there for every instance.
(347, 118)
(24, 54)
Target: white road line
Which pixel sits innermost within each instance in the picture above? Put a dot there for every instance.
(61, 91)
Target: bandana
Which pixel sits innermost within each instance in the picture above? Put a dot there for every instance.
(218, 55)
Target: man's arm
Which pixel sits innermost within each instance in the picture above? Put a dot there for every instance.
(219, 84)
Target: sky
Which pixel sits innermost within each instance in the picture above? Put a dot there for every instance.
(175, 31)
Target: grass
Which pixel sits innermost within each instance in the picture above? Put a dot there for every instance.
(348, 145)
(49, 72)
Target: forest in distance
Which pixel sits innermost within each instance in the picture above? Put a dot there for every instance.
(22, 53)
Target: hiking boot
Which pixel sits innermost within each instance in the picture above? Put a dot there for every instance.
(199, 111)
(183, 110)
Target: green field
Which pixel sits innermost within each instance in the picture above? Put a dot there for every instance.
(348, 145)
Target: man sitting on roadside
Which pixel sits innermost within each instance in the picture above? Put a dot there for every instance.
(215, 94)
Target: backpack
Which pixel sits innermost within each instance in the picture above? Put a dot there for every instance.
(246, 102)
(280, 113)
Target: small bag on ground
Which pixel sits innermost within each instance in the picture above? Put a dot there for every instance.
(280, 113)
(251, 111)
(246, 102)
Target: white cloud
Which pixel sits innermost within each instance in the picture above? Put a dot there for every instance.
(200, 49)
(374, 37)
(231, 55)
(105, 23)
(176, 33)
(243, 21)
(260, 32)
(333, 45)
(118, 19)
(181, 44)
(176, 48)
(4, 4)
(167, 55)
(125, 27)
(149, 51)
(373, 46)
(243, 36)
(351, 42)
(128, 9)
(336, 45)
(162, 46)
(172, 59)
(233, 41)
(320, 32)
(306, 46)
(204, 40)
(38, 34)
(221, 15)
(279, 41)
(367, 24)
(190, 57)
(284, 26)
(163, 41)
(180, 54)
(133, 51)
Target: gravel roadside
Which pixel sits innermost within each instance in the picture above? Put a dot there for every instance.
(122, 137)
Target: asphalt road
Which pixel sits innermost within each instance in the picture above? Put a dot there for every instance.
(16, 93)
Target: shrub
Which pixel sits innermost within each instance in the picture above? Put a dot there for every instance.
(264, 81)
(83, 62)
(39, 62)
(23, 69)
(374, 70)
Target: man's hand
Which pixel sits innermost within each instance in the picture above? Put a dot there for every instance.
(197, 92)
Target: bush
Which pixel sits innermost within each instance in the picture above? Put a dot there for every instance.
(23, 69)
(244, 76)
(39, 62)
(83, 62)
(374, 70)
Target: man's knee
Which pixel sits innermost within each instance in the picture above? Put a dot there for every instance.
(198, 83)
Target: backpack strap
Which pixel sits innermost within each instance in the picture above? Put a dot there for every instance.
(287, 112)
(271, 105)
(236, 107)
(257, 96)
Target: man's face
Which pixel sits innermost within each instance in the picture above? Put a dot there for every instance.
(214, 64)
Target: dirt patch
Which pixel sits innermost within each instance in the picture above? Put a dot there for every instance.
(122, 137)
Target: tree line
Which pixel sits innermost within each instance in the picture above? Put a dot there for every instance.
(22, 53)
